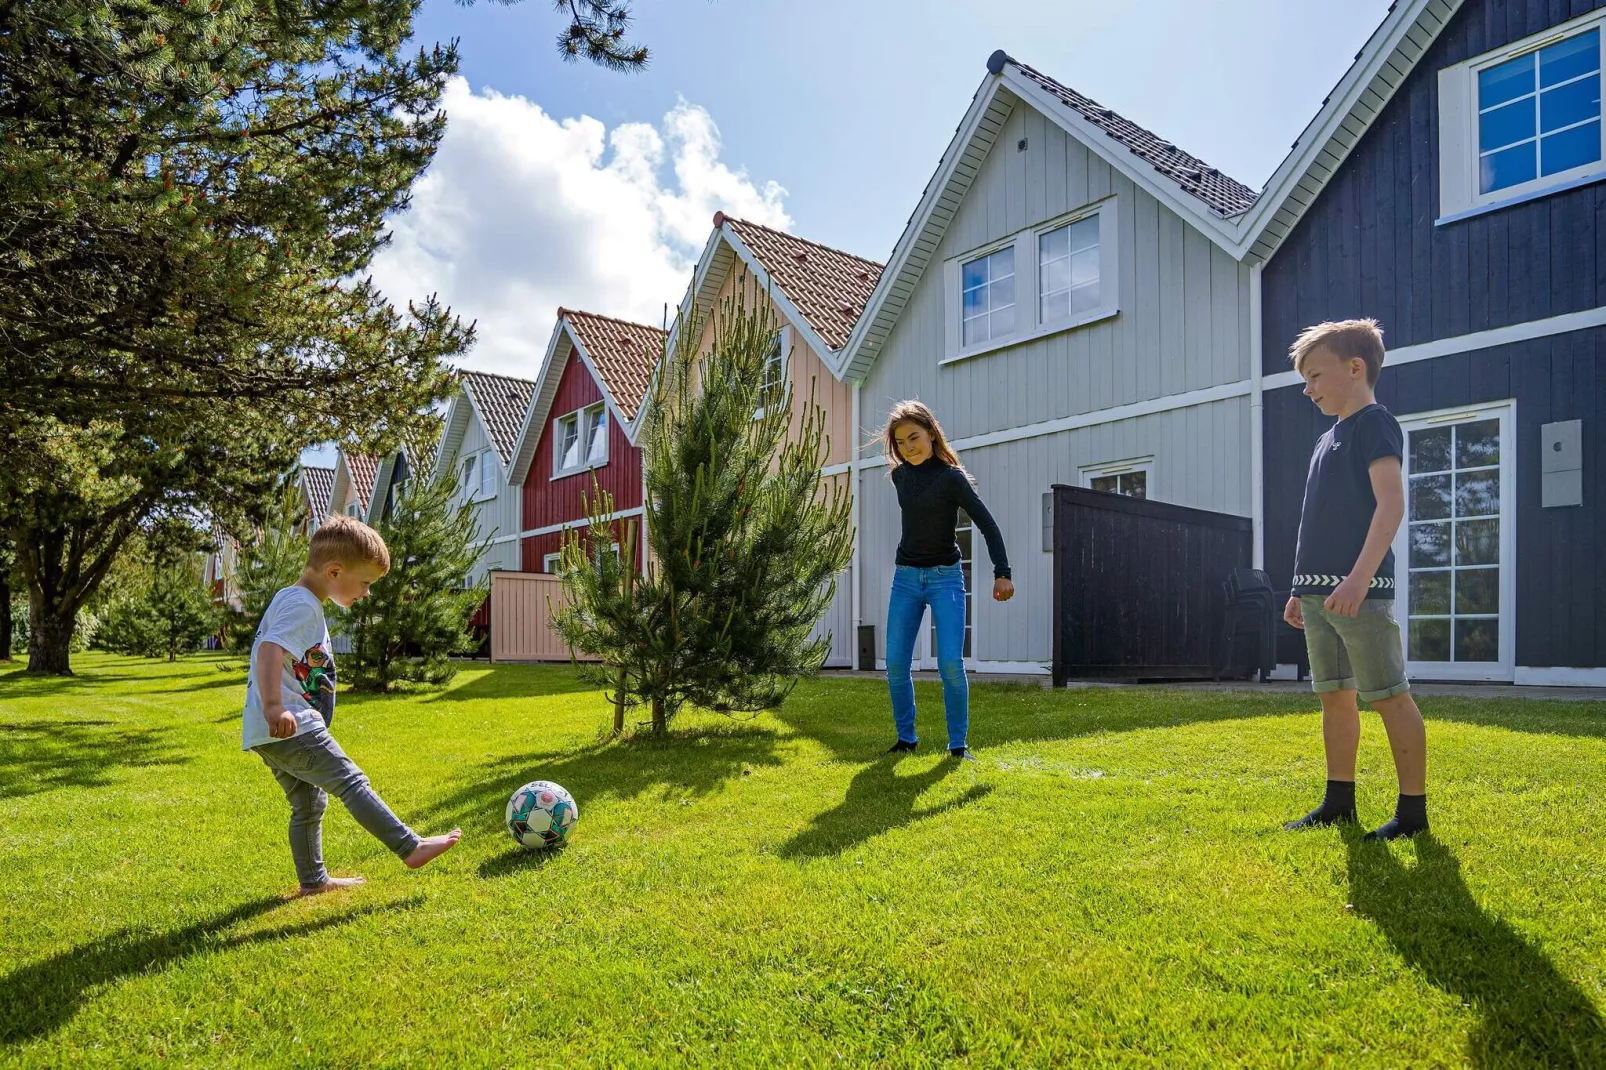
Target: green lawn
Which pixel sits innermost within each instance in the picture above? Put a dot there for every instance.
(1108, 885)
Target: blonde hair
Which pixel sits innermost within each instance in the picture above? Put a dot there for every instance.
(916, 412)
(1345, 339)
(348, 541)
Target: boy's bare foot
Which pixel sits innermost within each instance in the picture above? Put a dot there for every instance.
(432, 846)
(330, 885)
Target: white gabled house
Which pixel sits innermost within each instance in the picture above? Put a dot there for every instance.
(1069, 299)
(482, 427)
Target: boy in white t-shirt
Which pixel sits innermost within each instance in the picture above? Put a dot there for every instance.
(287, 721)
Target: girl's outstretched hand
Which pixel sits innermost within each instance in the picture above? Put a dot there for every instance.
(1003, 590)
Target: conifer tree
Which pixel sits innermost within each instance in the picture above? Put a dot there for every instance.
(270, 558)
(416, 616)
(746, 536)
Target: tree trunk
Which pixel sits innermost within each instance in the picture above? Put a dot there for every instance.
(659, 725)
(5, 613)
(49, 636)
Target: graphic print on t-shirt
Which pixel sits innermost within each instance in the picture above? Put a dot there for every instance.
(315, 673)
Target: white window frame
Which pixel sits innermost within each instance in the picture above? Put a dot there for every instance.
(489, 464)
(468, 474)
(1504, 669)
(354, 508)
(585, 421)
(1459, 197)
(784, 336)
(1089, 472)
(1029, 324)
(550, 562)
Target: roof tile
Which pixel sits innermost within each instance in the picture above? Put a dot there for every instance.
(363, 468)
(828, 286)
(501, 401)
(320, 484)
(624, 354)
(1226, 197)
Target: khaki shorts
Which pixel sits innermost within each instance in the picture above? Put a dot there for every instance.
(1361, 652)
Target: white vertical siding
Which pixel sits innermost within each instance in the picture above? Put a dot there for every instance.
(498, 517)
(1182, 325)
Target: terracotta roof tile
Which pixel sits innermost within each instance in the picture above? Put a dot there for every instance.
(1226, 196)
(624, 353)
(363, 468)
(320, 484)
(502, 402)
(828, 286)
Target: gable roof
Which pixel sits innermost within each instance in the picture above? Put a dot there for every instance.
(501, 402)
(1248, 226)
(319, 486)
(620, 357)
(1222, 195)
(354, 472)
(623, 355)
(827, 287)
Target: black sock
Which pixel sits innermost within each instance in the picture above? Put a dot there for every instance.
(902, 746)
(1337, 805)
(1410, 817)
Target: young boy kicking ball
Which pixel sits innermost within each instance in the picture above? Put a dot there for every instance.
(290, 701)
(1343, 593)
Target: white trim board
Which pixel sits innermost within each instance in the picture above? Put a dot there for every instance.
(567, 524)
(1558, 676)
(1468, 343)
(1166, 403)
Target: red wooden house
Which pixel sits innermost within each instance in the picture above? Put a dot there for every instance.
(581, 429)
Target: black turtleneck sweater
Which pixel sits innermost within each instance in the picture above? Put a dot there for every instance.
(931, 495)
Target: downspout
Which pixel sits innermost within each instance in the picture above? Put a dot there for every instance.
(1257, 427)
(853, 485)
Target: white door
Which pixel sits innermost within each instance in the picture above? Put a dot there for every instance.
(965, 533)
(1454, 574)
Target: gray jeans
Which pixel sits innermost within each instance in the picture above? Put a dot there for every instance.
(311, 767)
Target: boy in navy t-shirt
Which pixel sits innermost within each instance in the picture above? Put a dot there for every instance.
(1343, 591)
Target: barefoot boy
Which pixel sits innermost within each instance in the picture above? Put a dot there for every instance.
(1343, 593)
(290, 700)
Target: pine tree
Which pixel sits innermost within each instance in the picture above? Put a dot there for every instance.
(416, 616)
(172, 616)
(270, 558)
(192, 194)
(746, 536)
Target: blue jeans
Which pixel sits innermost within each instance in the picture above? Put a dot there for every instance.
(311, 767)
(913, 589)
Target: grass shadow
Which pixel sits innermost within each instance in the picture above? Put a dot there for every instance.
(502, 681)
(43, 755)
(1528, 1013)
(853, 718)
(877, 801)
(517, 860)
(1549, 717)
(19, 683)
(695, 761)
(204, 685)
(40, 998)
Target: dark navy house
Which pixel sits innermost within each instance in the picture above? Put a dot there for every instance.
(1465, 216)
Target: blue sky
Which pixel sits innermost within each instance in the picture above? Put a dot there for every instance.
(848, 105)
(565, 184)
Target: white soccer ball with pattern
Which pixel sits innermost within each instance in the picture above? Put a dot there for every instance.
(540, 815)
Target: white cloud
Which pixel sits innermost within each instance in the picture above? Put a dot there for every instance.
(521, 213)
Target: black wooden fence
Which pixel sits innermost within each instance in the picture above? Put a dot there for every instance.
(1137, 586)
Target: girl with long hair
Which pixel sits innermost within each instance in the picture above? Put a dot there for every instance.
(932, 487)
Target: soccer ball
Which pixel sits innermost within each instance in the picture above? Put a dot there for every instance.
(540, 814)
